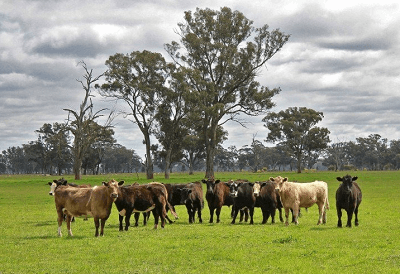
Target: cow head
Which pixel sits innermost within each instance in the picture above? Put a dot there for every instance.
(256, 189)
(210, 185)
(347, 181)
(279, 181)
(56, 183)
(112, 188)
(233, 188)
(185, 192)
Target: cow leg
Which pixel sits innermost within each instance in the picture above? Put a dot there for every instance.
(356, 216)
(103, 222)
(155, 214)
(272, 213)
(211, 215)
(321, 213)
(190, 213)
(96, 224)
(264, 213)
(137, 216)
(251, 211)
(296, 214)
(339, 215)
(60, 220)
(324, 215)
(121, 218)
(241, 214)
(127, 220)
(69, 219)
(218, 212)
(349, 216)
(287, 216)
(236, 211)
(199, 213)
(280, 214)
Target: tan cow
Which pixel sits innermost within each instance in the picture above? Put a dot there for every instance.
(296, 195)
(95, 202)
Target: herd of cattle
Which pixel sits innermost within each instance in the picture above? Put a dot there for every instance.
(73, 200)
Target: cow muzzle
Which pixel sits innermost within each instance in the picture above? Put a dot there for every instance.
(114, 195)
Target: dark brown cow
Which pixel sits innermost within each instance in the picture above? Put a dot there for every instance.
(268, 200)
(192, 197)
(142, 198)
(348, 197)
(95, 202)
(217, 195)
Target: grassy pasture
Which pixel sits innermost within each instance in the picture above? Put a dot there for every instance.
(29, 242)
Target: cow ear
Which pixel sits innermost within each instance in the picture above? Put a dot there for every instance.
(121, 183)
(50, 183)
(64, 183)
(252, 184)
(204, 181)
(339, 179)
(217, 181)
(226, 184)
(271, 179)
(285, 180)
(355, 178)
(189, 191)
(263, 184)
(104, 184)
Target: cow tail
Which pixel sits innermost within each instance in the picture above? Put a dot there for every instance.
(327, 203)
(172, 210)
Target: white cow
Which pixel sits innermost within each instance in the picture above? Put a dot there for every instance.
(296, 195)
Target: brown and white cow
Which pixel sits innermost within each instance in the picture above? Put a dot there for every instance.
(95, 202)
(296, 195)
(62, 182)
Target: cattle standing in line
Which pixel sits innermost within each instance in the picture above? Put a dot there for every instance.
(243, 197)
(142, 198)
(96, 202)
(268, 200)
(217, 195)
(192, 197)
(348, 197)
(296, 195)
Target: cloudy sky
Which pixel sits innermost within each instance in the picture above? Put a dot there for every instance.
(343, 58)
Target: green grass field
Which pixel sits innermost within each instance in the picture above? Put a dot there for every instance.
(29, 241)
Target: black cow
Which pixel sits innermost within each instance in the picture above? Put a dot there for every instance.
(192, 197)
(348, 197)
(268, 200)
(243, 197)
(174, 195)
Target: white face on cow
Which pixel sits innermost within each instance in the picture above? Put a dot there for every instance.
(256, 189)
(53, 187)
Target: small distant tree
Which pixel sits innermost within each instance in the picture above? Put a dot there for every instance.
(295, 130)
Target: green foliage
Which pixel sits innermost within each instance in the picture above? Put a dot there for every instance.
(29, 242)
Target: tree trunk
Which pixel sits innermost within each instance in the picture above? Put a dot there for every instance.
(77, 169)
(167, 163)
(149, 162)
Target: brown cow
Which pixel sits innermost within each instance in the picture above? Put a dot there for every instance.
(96, 202)
(217, 195)
(296, 195)
(62, 182)
(142, 198)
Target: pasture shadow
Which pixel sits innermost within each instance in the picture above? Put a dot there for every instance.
(46, 223)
